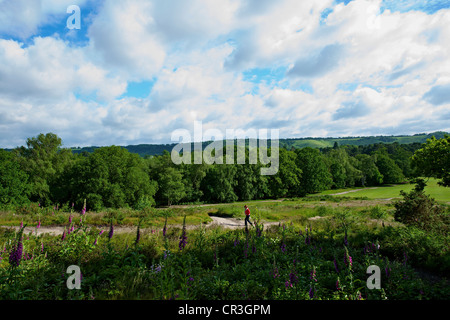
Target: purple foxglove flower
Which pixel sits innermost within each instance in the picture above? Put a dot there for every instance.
(63, 235)
(16, 254)
(183, 240)
(293, 278)
(111, 231)
(138, 235)
(311, 293)
(335, 266)
(313, 274)
(275, 273)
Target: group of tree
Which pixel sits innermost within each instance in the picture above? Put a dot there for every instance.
(113, 177)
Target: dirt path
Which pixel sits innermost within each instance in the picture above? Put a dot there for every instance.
(228, 223)
(345, 192)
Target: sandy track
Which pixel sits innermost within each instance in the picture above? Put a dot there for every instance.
(228, 223)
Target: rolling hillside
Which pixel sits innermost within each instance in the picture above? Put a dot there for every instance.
(157, 149)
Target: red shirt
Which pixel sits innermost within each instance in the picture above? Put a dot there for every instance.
(247, 212)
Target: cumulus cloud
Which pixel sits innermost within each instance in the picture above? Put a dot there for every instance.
(48, 69)
(342, 68)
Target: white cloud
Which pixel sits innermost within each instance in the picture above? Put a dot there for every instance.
(123, 33)
(48, 69)
(359, 71)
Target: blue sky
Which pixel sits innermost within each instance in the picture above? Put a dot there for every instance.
(137, 70)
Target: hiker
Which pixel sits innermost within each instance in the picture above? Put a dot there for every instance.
(247, 216)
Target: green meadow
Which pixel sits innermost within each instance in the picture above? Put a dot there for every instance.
(439, 193)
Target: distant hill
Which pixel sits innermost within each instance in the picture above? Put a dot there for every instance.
(157, 149)
(358, 141)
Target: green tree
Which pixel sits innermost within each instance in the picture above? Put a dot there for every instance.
(111, 177)
(342, 168)
(171, 185)
(286, 182)
(193, 174)
(433, 160)
(44, 161)
(388, 168)
(219, 183)
(371, 174)
(14, 187)
(315, 174)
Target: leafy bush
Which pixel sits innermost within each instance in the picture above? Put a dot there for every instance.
(420, 210)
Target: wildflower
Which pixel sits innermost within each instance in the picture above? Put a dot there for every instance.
(335, 265)
(293, 278)
(287, 284)
(111, 231)
(42, 246)
(16, 254)
(283, 247)
(345, 239)
(39, 224)
(313, 274)
(387, 270)
(183, 237)
(138, 235)
(21, 225)
(63, 235)
(165, 228)
(100, 233)
(337, 284)
(311, 292)
(236, 242)
(70, 219)
(275, 273)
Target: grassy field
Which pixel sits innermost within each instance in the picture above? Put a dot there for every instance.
(441, 194)
(304, 254)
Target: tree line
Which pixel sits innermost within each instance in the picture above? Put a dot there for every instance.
(112, 177)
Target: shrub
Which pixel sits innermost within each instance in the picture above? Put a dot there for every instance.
(420, 210)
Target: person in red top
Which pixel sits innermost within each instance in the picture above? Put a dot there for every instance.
(247, 216)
